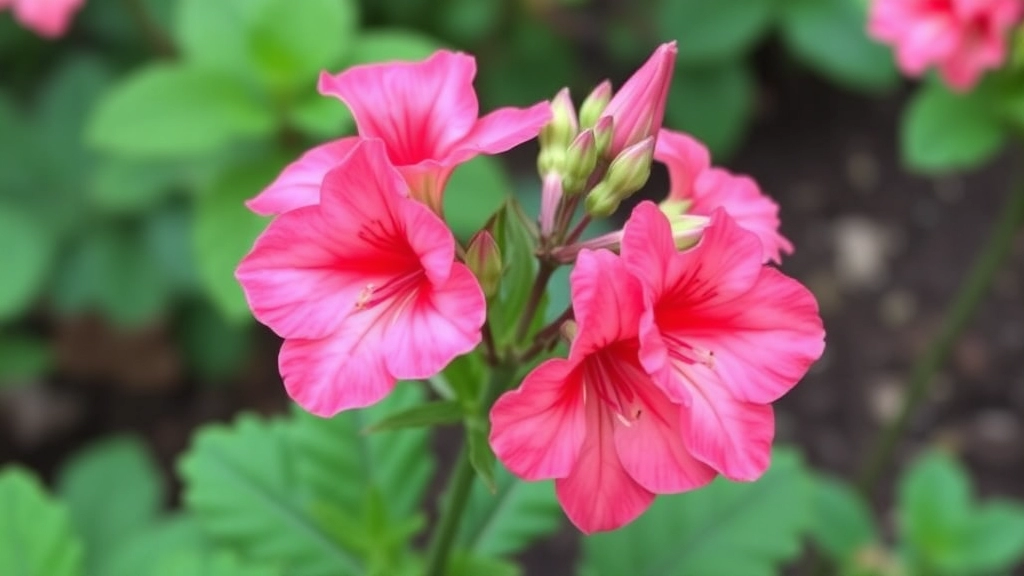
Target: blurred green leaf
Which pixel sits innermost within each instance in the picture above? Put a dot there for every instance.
(382, 45)
(241, 484)
(943, 131)
(173, 110)
(205, 563)
(38, 537)
(28, 252)
(714, 104)
(466, 565)
(214, 347)
(934, 506)
(166, 237)
(725, 528)
(121, 186)
(420, 415)
(23, 358)
(475, 192)
(217, 35)
(320, 116)
(710, 32)
(830, 36)
(113, 490)
(512, 233)
(533, 64)
(64, 106)
(481, 457)
(467, 21)
(224, 231)
(843, 524)
(507, 521)
(141, 553)
(993, 541)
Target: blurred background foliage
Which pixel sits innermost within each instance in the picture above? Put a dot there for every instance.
(127, 149)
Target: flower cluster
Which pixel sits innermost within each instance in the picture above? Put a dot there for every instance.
(962, 38)
(681, 331)
(49, 18)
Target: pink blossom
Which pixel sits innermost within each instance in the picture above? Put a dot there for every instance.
(962, 38)
(694, 181)
(363, 287)
(49, 18)
(596, 422)
(721, 334)
(428, 117)
(638, 108)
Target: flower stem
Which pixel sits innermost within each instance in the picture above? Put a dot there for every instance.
(958, 315)
(540, 284)
(460, 482)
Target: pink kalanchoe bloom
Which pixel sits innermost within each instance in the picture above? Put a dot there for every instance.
(722, 335)
(49, 18)
(703, 188)
(963, 38)
(596, 422)
(363, 287)
(638, 108)
(428, 117)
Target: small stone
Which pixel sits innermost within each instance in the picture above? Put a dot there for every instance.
(862, 249)
(886, 398)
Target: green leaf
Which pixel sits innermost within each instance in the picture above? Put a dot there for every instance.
(511, 230)
(217, 35)
(113, 490)
(466, 565)
(533, 63)
(241, 483)
(714, 104)
(843, 524)
(418, 416)
(943, 131)
(508, 520)
(481, 457)
(139, 553)
(381, 45)
(214, 347)
(173, 110)
(204, 563)
(993, 541)
(23, 358)
(709, 32)
(225, 229)
(475, 192)
(28, 250)
(38, 538)
(120, 186)
(468, 22)
(934, 506)
(321, 117)
(830, 37)
(725, 528)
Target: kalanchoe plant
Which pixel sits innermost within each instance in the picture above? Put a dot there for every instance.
(680, 336)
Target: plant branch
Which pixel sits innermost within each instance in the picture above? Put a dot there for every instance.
(957, 317)
(540, 284)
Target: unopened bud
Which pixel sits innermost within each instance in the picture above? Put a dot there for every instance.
(687, 230)
(550, 160)
(580, 161)
(593, 107)
(674, 208)
(602, 201)
(483, 257)
(604, 130)
(639, 105)
(564, 126)
(630, 170)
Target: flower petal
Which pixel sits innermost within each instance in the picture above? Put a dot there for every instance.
(599, 494)
(607, 301)
(441, 323)
(538, 429)
(686, 159)
(502, 130)
(299, 183)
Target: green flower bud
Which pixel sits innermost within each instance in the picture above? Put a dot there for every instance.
(563, 127)
(580, 161)
(595, 103)
(483, 258)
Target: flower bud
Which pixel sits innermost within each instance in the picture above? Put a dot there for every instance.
(550, 160)
(564, 126)
(580, 161)
(629, 170)
(687, 229)
(603, 132)
(602, 201)
(595, 104)
(639, 106)
(483, 258)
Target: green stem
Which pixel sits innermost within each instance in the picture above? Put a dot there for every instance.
(958, 315)
(540, 284)
(461, 481)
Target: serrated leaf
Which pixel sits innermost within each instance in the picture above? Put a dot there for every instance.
(843, 524)
(225, 229)
(943, 131)
(113, 490)
(28, 251)
(38, 538)
(830, 36)
(241, 483)
(725, 528)
(715, 104)
(710, 32)
(508, 520)
(421, 415)
(476, 190)
(23, 358)
(174, 110)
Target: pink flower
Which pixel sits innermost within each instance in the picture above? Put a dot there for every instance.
(638, 108)
(722, 335)
(596, 422)
(963, 38)
(704, 189)
(49, 18)
(363, 287)
(427, 115)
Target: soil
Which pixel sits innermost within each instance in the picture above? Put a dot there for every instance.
(883, 250)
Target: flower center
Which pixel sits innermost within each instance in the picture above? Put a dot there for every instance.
(613, 378)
